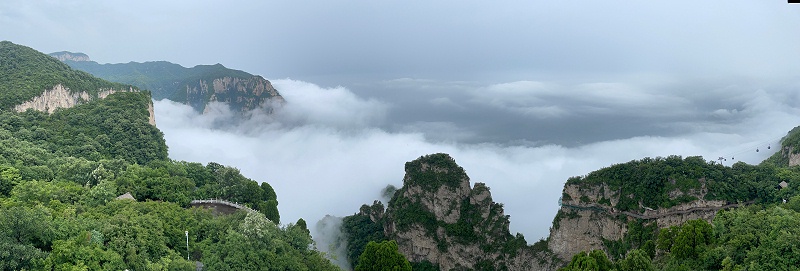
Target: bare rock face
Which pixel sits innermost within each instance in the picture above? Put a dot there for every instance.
(64, 56)
(586, 218)
(50, 100)
(240, 94)
(794, 158)
(583, 230)
(62, 97)
(438, 217)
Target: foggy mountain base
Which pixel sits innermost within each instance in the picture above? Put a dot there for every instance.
(328, 237)
(325, 153)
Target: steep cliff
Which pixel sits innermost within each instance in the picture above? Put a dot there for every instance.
(586, 225)
(196, 86)
(439, 220)
(242, 94)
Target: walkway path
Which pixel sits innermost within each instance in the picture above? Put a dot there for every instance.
(613, 211)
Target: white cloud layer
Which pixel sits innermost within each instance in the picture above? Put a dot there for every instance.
(324, 165)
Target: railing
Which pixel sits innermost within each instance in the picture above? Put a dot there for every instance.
(222, 202)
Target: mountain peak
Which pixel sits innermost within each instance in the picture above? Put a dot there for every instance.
(64, 56)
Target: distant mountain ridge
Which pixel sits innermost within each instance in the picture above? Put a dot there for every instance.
(197, 86)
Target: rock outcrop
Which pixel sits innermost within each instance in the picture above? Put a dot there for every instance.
(788, 154)
(64, 56)
(584, 221)
(240, 94)
(62, 97)
(437, 217)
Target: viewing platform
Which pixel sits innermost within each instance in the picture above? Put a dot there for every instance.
(219, 206)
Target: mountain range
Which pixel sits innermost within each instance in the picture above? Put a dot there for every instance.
(196, 86)
(72, 143)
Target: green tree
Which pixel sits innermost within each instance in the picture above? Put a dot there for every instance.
(382, 256)
(17, 256)
(636, 260)
(9, 177)
(79, 253)
(593, 261)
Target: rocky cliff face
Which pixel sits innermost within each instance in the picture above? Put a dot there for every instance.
(61, 97)
(64, 56)
(585, 221)
(240, 94)
(437, 217)
(787, 153)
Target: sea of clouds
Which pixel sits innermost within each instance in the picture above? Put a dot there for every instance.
(326, 151)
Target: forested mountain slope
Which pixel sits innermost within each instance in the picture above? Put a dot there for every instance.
(60, 175)
(27, 74)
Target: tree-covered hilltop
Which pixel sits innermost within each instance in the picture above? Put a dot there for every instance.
(61, 175)
(196, 86)
(27, 73)
(665, 182)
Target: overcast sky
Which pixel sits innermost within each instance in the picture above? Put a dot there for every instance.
(523, 94)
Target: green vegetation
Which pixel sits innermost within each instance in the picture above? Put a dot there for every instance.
(360, 230)
(163, 78)
(27, 73)
(761, 236)
(57, 207)
(640, 235)
(790, 144)
(113, 128)
(381, 257)
(60, 174)
(757, 237)
(595, 260)
(650, 181)
(636, 260)
(434, 170)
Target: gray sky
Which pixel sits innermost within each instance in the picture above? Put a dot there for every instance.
(523, 94)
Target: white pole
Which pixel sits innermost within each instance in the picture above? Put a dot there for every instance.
(187, 245)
